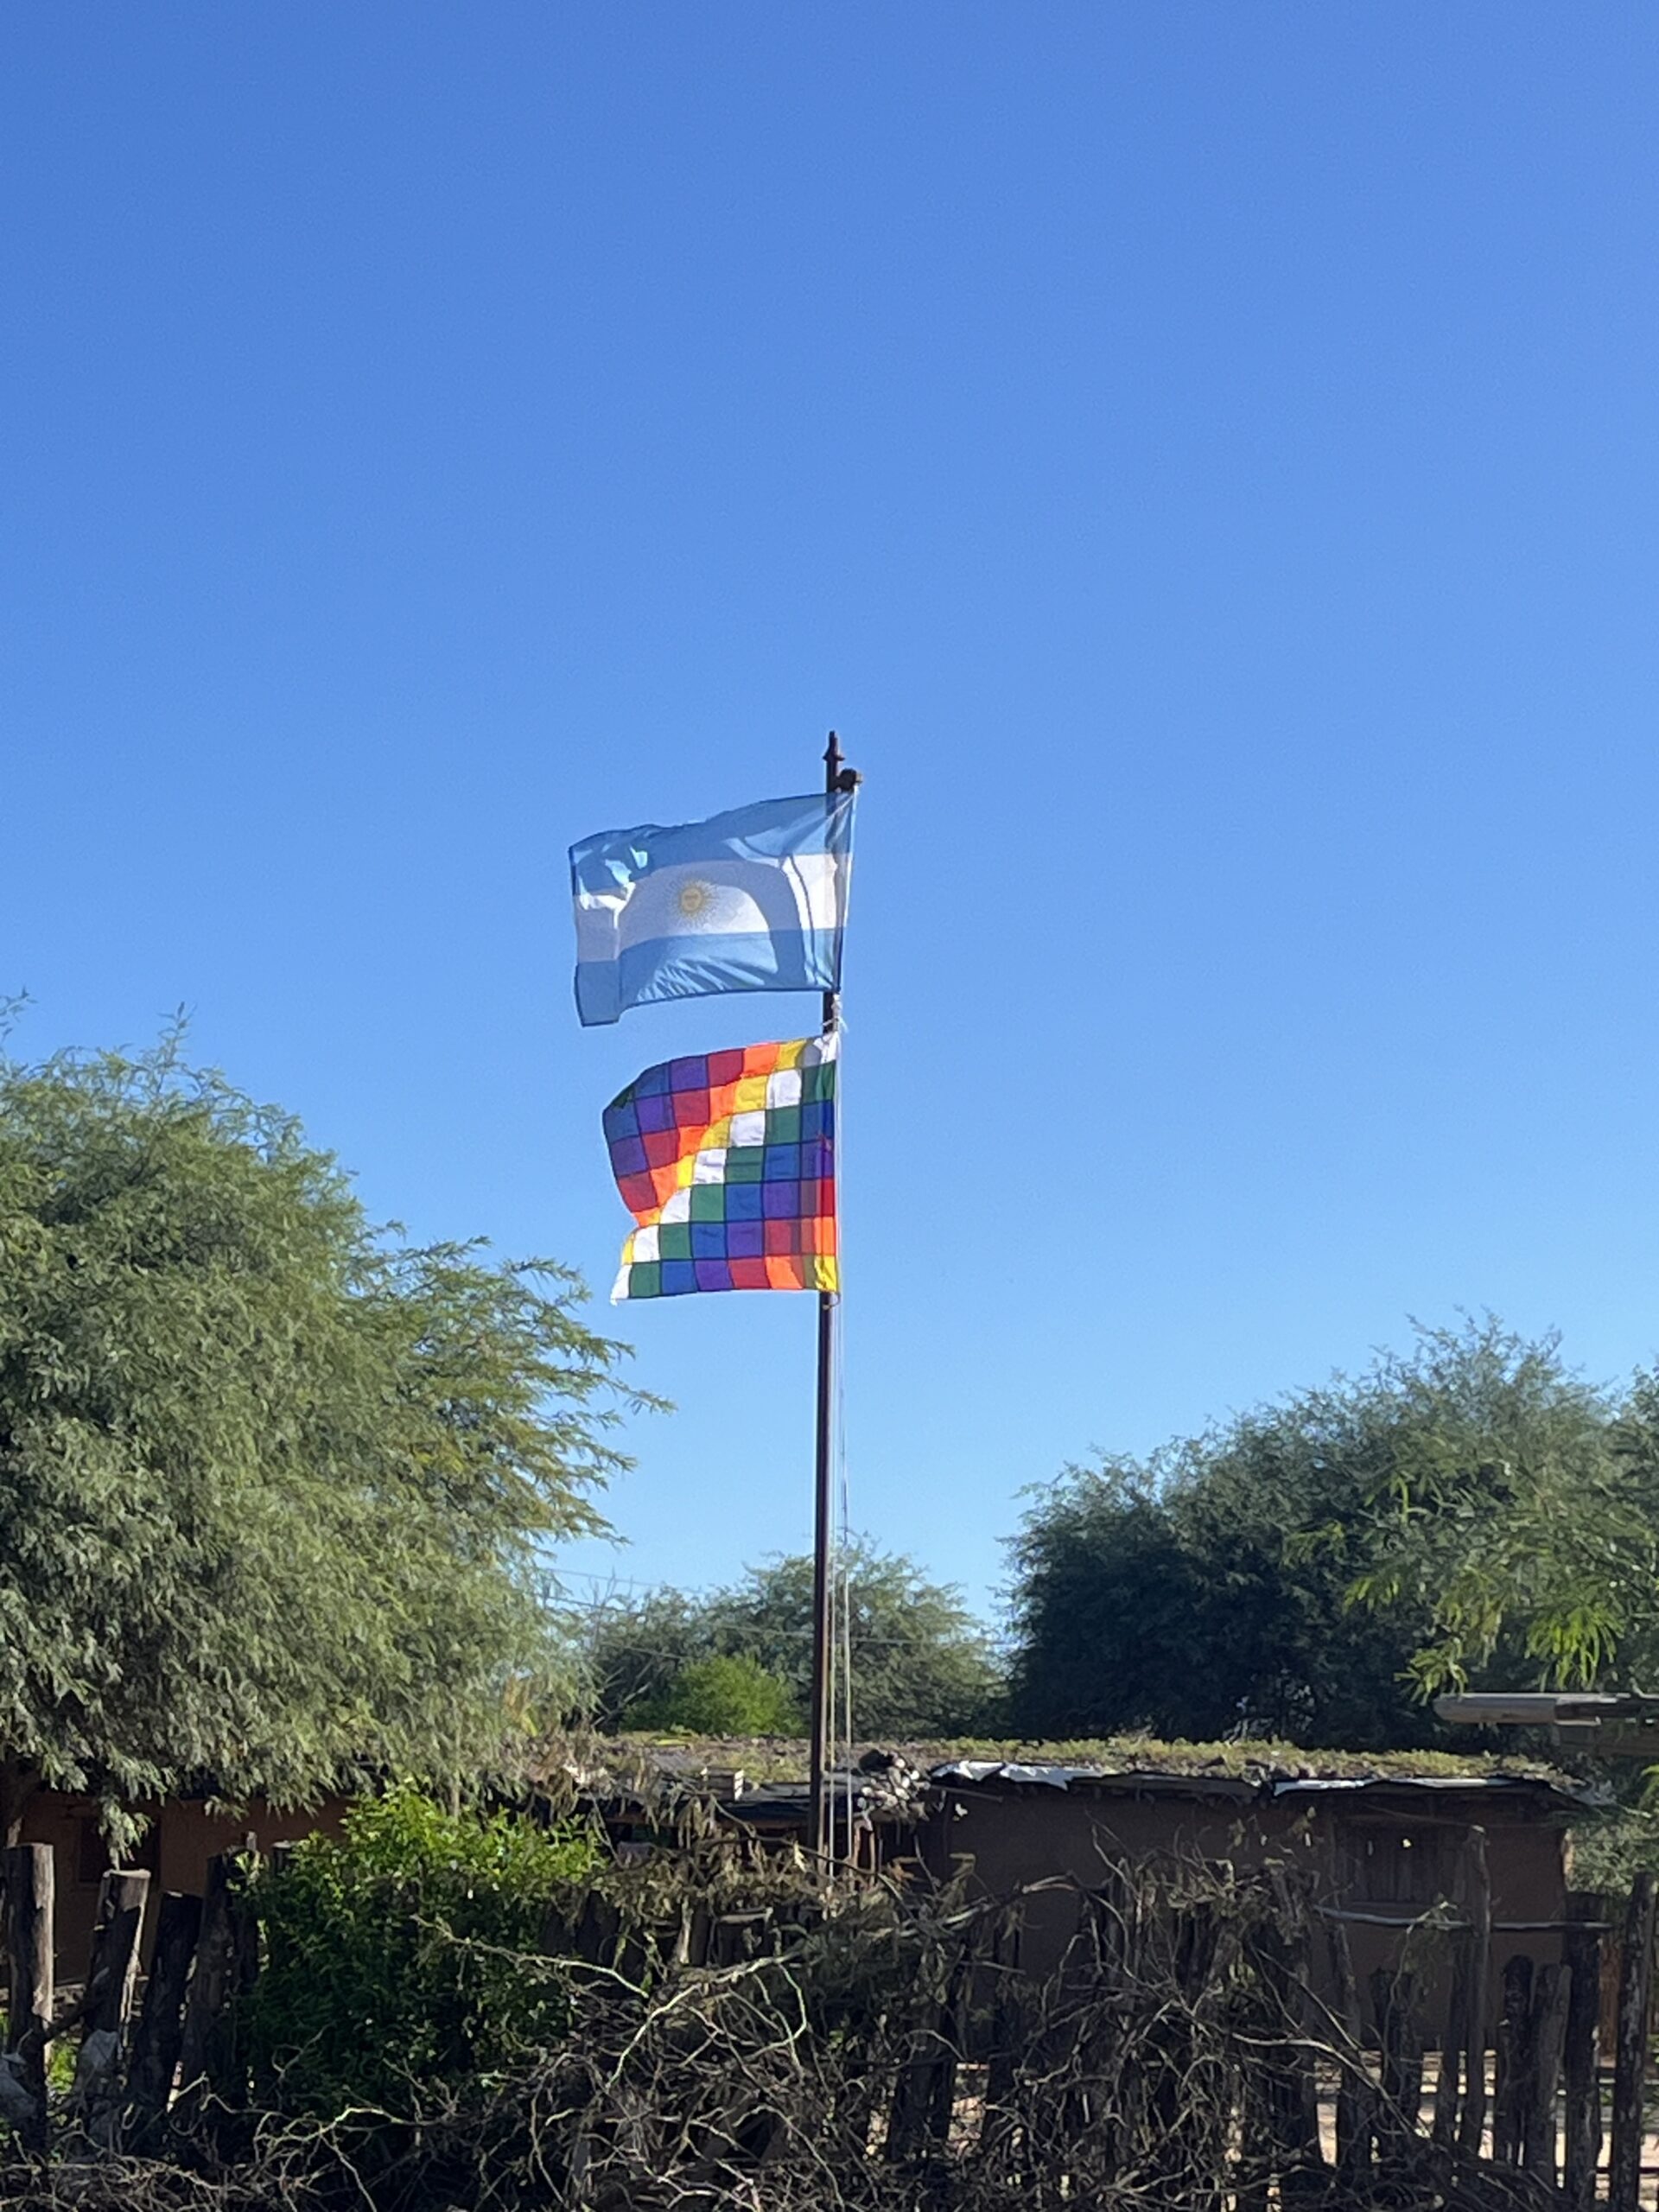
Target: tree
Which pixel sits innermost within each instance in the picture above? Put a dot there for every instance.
(1536, 1543)
(277, 1486)
(1282, 1574)
(634, 1650)
(922, 1666)
(1106, 1602)
(726, 1694)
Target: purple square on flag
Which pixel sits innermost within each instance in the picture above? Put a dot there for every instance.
(713, 1274)
(743, 1239)
(656, 1113)
(628, 1156)
(779, 1201)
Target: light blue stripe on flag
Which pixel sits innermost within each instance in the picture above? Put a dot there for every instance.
(752, 901)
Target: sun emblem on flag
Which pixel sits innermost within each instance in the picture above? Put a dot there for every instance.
(695, 900)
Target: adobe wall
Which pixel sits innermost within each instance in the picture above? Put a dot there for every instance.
(1353, 1846)
(175, 1849)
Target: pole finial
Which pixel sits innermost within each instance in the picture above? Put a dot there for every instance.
(837, 776)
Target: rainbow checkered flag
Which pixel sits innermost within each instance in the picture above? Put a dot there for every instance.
(727, 1161)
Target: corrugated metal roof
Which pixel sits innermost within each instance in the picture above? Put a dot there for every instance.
(1142, 1782)
(1536, 1785)
(1128, 1782)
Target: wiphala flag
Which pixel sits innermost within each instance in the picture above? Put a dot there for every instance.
(727, 1161)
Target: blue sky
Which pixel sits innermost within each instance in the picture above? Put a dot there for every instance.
(1202, 459)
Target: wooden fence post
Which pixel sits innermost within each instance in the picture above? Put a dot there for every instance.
(1285, 1967)
(1472, 2125)
(1454, 2038)
(1196, 2130)
(226, 1960)
(1008, 2011)
(228, 2062)
(924, 2093)
(598, 1931)
(1399, 2029)
(1537, 2111)
(737, 1937)
(29, 1935)
(111, 1974)
(1580, 2054)
(1510, 2074)
(1356, 2094)
(161, 2024)
(1630, 2058)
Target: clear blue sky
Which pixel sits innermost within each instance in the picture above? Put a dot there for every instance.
(1201, 458)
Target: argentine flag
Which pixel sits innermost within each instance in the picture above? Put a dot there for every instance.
(752, 900)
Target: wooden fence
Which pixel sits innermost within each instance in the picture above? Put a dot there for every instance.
(132, 2051)
(1182, 2053)
(1525, 2076)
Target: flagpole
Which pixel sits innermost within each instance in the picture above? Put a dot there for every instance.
(823, 1530)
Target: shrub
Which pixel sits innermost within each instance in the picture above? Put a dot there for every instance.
(1612, 1846)
(405, 1952)
(728, 1694)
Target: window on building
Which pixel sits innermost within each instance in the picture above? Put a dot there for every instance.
(1381, 1865)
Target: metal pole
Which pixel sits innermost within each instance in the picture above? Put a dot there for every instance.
(824, 1500)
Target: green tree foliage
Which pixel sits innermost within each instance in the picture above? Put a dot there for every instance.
(1292, 1573)
(727, 1693)
(407, 1952)
(634, 1650)
(1531, 1530)
(276, 1485)
(922, 1666)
